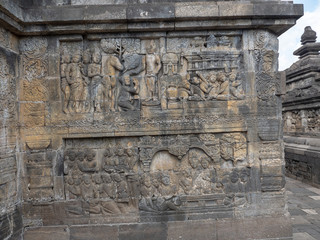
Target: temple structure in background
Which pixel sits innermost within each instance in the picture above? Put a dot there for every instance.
(301, 112)
(149, 119)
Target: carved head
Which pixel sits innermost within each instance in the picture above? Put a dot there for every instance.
(71, 155)
(108, 152)
(244, 175)
(109, 46)
(116, 177)
(212, 78)
(65, 57)
(86, 179)
(234, 177)
(221, 77)
(204, 163)
(120, 151)
(151, 47)
(126, 80)
(106, 178)
(70, 180)
(86, 56)
(77, 180)
(90, 155)
(97, 178)
(193, 161)
(96, 56)
(76, 58)
(80, 156)
(165, 179)
(129, 152)
(147, 181)
(233, 76)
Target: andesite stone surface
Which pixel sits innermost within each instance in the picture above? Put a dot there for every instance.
(142, 119)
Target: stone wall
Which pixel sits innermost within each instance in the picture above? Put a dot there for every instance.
(301, 112)
(150, 120)
(10, 216)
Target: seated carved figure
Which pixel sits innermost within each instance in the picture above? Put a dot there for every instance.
(198, 87)
(236, 87)
(223, 91)
(129, 94)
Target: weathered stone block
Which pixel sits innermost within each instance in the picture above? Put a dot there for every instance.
(94, 232)
(50, 233)
(190, 230)
(143, 231)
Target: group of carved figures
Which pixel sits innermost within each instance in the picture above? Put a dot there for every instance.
(302, 120)
(112, 180)
(107, 78)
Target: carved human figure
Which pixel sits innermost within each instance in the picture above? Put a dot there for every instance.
(121, 186)
(87, 161)
(233, 147)
(87, 190)
(108, 194)
(98, 86)
(223, 91)
(185, 182)
(213, 87)
(170, 79)
(75, 80)
(85, 104)
(236, 90)
(146, 189)
(128, 94)
(202, 184)
(111, 66)
(69, 162)
(198, 87)
(107, 189)
(167, 188)
(65, 61)
(193, 161)
(73, 190)
(153, 66)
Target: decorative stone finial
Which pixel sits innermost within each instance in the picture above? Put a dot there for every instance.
(309, 36)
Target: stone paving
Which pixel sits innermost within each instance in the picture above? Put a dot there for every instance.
(304, 207)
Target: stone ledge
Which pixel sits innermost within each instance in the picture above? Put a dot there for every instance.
(277, 16)
(253, 228)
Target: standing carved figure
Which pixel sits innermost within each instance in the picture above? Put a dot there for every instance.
(153, 66)
(99, 86)
(65, 61)
(85, 105)
(111, 66)
(76, 83)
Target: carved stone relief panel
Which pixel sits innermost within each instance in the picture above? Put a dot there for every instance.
(8, 124)
(34, 70)
(301, 121)
(153, 174)
(267, 85)
(128, 74)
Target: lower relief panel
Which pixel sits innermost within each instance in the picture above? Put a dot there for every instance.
(155, 178)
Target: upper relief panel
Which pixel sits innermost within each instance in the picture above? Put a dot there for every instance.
(133, 74)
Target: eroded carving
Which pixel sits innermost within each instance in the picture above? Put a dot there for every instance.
(155, 174)
(206, 69)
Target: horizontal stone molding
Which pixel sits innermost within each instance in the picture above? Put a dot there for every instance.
(275, 16)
